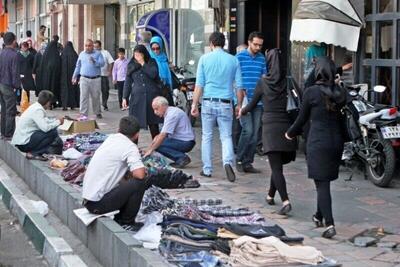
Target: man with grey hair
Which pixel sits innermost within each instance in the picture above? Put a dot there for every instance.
(176, 137)
(88, 67)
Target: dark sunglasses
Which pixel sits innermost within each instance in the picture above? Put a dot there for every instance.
(155, 48)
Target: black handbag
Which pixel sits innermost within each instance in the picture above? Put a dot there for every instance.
(351, 128)
(293, 98)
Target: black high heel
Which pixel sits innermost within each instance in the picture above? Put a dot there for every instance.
(270, 201)
(285, 209)
(318, 222)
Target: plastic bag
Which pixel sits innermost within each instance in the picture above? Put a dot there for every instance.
(41, 207)
(72, 153)
(150, 233)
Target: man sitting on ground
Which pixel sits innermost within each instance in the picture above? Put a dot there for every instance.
(176, 137)
(35, 132)
(104, 190)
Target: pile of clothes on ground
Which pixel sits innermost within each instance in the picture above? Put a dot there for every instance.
(80, 148)
(208, 233)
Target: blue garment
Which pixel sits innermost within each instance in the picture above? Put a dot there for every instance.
(248, 138)
(212, 112)
(216, 73)
(162, 61)
(312, 52)
(252, 67)
(177, 125)
(85, 67)
(175, 149)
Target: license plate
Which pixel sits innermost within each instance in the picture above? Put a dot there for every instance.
(390, 132)
(189, 95)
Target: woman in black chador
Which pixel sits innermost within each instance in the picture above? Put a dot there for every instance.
(37, 71)
(321, 106)
(69, 92)
(51, 69)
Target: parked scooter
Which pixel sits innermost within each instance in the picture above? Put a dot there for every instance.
(374, 134)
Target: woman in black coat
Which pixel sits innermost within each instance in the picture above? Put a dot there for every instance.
(37, 70)
(321, 106)
(275, 122)
(51, 71)
(69, 91)
(25, 60)
(141, 87)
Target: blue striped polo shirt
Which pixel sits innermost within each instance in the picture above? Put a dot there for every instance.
(252, 67)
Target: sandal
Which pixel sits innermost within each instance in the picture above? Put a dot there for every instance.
(37, 157)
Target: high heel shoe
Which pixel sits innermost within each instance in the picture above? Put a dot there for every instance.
(318, 222)
(285, 209)
(270, 201)
(329, 232)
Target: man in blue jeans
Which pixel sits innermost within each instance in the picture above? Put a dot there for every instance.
(216, 73)
(176, 137)
(253, 66)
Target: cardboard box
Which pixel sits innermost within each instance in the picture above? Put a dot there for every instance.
(71, 127)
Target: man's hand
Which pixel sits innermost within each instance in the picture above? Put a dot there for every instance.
(238, 113)
(114, 82)
(195, 111)
(148, 153)
(74, 81)
(61, 119)
(124, 104)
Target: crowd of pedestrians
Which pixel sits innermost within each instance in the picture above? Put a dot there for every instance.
(239, 94)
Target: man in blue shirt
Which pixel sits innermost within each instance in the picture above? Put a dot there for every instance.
(88, 67)
(253, 66)
(216, 73)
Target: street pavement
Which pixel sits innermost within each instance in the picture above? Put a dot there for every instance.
(357, 205)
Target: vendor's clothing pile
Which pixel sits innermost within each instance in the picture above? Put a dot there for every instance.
(198, 234)
(75, 171)
(85, 142)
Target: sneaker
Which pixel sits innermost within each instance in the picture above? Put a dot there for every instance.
(105, 108)
(180, 164)
(230, 174)
(205, 175)
(329, 232)
(239, 166)
(318, 222)
(250, 169)
(99, 116)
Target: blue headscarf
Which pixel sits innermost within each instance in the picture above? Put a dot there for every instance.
(162, 61)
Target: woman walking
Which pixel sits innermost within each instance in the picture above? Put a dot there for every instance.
(37, 71)
(69, 91)
(321, 106)
(276, 121)
(26, 67)
(51, 71)
(142, 87)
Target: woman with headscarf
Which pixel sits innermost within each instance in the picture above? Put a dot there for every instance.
(141, 88)
(275, 122)
(37, 70)
(51, 68)
(25, 67)
(69, 91)
(321, 106)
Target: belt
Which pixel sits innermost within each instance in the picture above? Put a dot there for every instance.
(213, 99)
(94, 77)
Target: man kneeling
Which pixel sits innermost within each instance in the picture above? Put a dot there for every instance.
(104, 190)
(35, 132)
(176, 137)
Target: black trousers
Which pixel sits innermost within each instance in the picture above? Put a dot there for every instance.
(39, 142)
(236, 130)
(126, 197)
(154, 130)
(8, 103)
(105, 90)
(120, 87)
(278, 181)
(324, 202)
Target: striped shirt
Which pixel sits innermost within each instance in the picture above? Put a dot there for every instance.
(252, 67)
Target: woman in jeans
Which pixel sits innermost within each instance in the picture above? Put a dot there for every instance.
(141, 87)
(275, 122)
(321, 106)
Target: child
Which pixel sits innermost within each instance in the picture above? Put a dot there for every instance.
(119, 74)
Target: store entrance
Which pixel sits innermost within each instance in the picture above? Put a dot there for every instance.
(272, 18)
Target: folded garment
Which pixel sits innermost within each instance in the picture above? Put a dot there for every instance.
(270, 251)
(225, 211)
(190, 232)
(224, 233)
(201, 258)
(257, 231)
(170, 219)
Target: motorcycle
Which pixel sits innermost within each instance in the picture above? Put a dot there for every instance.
(183, 93)
(374, 134)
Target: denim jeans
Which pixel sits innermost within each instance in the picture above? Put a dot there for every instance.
(248, 138)
(175, 149)
(220, 113)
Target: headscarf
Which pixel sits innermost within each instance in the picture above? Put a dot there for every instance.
(51, 56)
(42, 48)
(133, 65)
(69, 50)
(325, 71)
(162, 61)
(275, 79)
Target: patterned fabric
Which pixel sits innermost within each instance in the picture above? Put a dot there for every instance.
(223, 211)
(155, 164)
(85, 142)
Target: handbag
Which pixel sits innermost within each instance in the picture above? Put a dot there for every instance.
(293, 98)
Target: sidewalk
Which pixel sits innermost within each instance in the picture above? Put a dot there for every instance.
(357, 204)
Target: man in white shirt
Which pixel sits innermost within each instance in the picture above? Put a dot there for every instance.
(106, 71)
(104, 189)
(35, 132)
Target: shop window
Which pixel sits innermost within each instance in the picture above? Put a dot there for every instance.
(368, 7)
(386, 6)
(398, 38)
(367, 76)
(368, 40)
(384, 77)
(42, 6)
(384, 34)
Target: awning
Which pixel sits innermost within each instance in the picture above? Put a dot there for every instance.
(336, 22)
(90, 2)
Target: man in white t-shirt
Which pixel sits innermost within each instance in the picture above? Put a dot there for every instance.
(106, 71)
(104, 189)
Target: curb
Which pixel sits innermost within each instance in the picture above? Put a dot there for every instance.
(43, 236)
(107, 240)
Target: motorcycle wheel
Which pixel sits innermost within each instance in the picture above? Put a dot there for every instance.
(381, 171)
